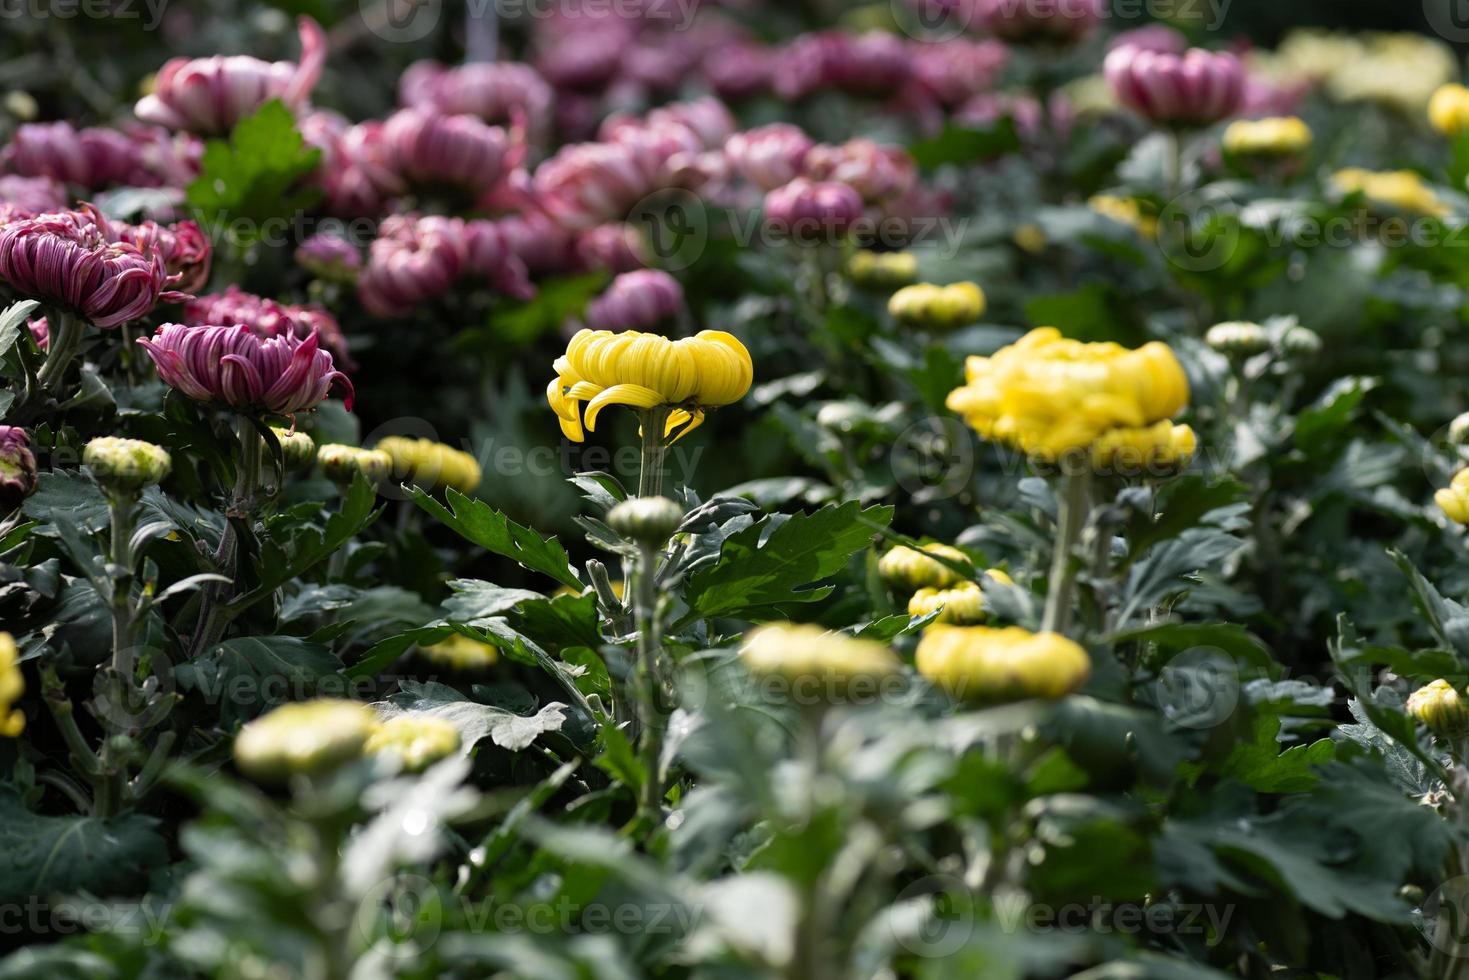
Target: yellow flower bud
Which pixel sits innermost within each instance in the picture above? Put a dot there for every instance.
(937, 307)
(986, 664)
(1238, 337)
(1030, 239)
(303, 738)
(12, 686)
(1453, 500)
(905, 569)
(1441, 707)
(1158, 450)
(342, 463)
(815, 663)
(415, 740)
(1049, 396)
(642, 371)
(1448, 110)
(882, 270)
(1393, 190)
(1278, 136)
(962, 605)
(431, 464)
(126, 466)
(459, 652)
(297, 449)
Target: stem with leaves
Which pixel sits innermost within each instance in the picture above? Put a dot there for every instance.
(212, 618)
(1074, 505)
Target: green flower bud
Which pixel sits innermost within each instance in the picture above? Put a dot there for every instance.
(342, 463)
(647, 520)
(1300, 341)
(296, 447)
(1459, 430)
(1238, 337)
(303, 738)
(1441, 707)
(126, 466)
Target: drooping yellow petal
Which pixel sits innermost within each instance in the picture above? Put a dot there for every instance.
(634, 396)
(696, 419)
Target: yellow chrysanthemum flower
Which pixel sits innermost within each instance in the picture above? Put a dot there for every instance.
(937, 307)
(1453, 500)
(126, 466)
(1311, 54)
(305, 737)
(814, 661)
(1161, 449)
(644, 370)
(906, 569)
(12, 686)
(1127, 211)
(961, 605)
(1276, 136)
(1448, 110)
(416, 741)
(982, 663)
(1049, 396)
(341, 463)
(882, 270)
(1398, 70)
(459, 652)
(1440, 706)
(431, 464)
(1402, 190)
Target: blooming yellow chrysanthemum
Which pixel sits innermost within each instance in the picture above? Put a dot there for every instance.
(906, 569)
(431, 464)
(1161, 449)
(1402, 190)
(460, 652)
(12, 686)
(982, 663)
(963, 604)
(1448, 110)
(1276, 136)
(1453, 500)
(643, 371)
(415, 741)
(303, 737)
(814, 661)
(1049, 396)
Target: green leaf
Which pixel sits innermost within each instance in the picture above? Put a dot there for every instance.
(45, 855)
(1242, 645)
(247, 674)
(476, 721)
(254, 177)
(963, 144)
(1448, 620)
(479, 523)
(777, 561)
(12, 321)
(1261, 765)
(1332, 412)
(1096, 311)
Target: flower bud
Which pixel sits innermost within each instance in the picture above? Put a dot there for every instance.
(126, 466)
(459, 652)
(1237, 337)
(1453, 500)
(906, 569)
(303, 738)
(297, 448)
(1459, 429)
(17, 467)
(1440, 707)
(937, 307)
(985, 664)
(342, 463)
(1299, 341)
(816, 663)
(1277, 138)
(961, 605)
(415, 741)
(882, 270)
(330, 257)
(646, 520)
(1448, 110)
(12, 686)
(430, 464)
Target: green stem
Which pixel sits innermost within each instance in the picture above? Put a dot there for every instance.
(212, 618)
(650, 738)
(64, 339)
(1172, 163)
(650, 476)
(120, 556)
(1074, 505)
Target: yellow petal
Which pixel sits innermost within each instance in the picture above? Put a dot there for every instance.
(635, 396)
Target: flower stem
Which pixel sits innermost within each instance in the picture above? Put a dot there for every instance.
(64, 339)
(211, 617)
(1172, 162)
(650, 738)
(650, 476)
(1074, 505)
(120, 557)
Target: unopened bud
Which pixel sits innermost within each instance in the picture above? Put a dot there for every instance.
(646, 520)
(126, 466)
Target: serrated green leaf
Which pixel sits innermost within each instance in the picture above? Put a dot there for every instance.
(46, 855)
(481, 524)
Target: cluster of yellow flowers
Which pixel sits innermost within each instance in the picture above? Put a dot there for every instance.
(314, 737)
(816, 663)
(1400, 190)
(937, 307)
(986, 664)
(1453, 500)
(459, 652)
(1052, 397)
(430, 464)
(1442, 707)
(1276, 136)
(12, 686)
(645, 371)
